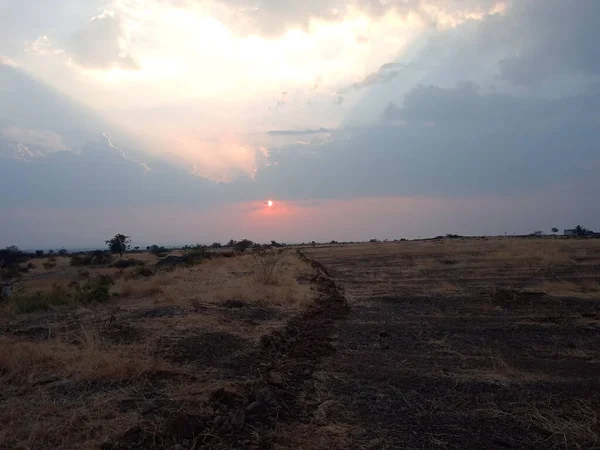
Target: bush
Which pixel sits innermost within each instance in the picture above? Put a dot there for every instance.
(242, 245)
(126, 263)
(41, 301)
(194, 255)
(95, 258)
(96, 290)
(141, 272)
(158, 251)
(10, 262)
(49, 264)
(39, 253)
(268, 265)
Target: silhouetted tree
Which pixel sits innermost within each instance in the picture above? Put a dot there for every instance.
(580, 231)
(242, 245)
(119, 244)
(554, 230)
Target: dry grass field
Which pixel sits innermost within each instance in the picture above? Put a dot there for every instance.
(442, 344)
(465, 343)
(83, 376)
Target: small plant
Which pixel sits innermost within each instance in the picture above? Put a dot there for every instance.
(83, 273)
(49, 264)
(268, 265)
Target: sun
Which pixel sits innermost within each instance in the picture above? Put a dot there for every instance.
(270, 203)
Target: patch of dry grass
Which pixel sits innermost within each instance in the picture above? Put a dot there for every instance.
(83, 358)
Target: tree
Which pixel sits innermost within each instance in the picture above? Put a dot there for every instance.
(136, 248)
(554, 230)
(119, 244)
(580, 231)
(242, 245)
(63, 252)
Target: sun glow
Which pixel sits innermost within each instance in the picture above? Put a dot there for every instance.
(270, 203)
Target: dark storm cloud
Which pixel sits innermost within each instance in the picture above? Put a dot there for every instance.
(454, 141)
(561, 37)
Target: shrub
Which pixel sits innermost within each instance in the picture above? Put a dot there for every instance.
(96, 290)
(242, 245)
(10, 261)
(194, 255)
(158, 251)
(268, 264)
(49, 264)
(39, 253)
(95, 258)
(141, 271)
(63, 252)
(41, 301)
(126, 263)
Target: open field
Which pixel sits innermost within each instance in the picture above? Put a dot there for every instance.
(469, 343)
(446, 344)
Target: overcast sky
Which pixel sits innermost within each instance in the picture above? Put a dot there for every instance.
(175, 120)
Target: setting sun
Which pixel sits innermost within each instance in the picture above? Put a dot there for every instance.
(270, 203)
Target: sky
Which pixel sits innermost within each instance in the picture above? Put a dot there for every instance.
(176, 120)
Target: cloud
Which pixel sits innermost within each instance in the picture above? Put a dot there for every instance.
(559, 37)
(448, 142)
(385, 74)
(100, 45)
(6, 60)
(274, 17)
(297, 132)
